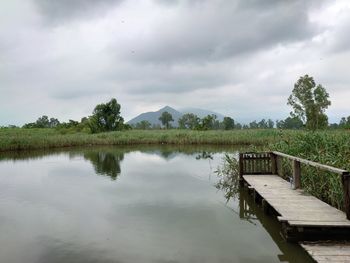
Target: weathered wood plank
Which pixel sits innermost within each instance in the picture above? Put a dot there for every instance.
(296, 174)
(296, 207)
(331, 252)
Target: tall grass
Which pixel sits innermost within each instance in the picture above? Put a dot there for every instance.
(25, 139)
(331, 148)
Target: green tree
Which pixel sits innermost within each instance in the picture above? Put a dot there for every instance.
(270, 124)
(345, 123)
(290, 123)
(106, 117)
(253, 125)
(209, 122)
(309, 103)
(166, 118)
(188, 121)
(228, 123)
(143, 125)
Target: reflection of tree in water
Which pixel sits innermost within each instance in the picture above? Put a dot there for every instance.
(106, 163)
(205, 155)
(252, 212)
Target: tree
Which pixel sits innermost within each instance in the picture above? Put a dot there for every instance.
(166, 118)
(270, 124)
(290, 123)
(209, 122)
(253, 125)
(309, 103)
(344, 123)
(228, 123)
(143, 125)
(106, 117)
(188, 121)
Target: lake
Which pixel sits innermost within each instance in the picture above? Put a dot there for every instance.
(130, 204)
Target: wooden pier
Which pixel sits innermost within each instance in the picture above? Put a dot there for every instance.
(303, 217)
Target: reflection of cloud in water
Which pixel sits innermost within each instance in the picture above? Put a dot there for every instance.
(56, 251)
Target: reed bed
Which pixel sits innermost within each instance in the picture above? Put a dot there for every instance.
(27, 139)
(326, 147)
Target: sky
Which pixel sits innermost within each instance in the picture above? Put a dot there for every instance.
(240, 58)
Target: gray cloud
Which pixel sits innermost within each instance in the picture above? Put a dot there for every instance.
(65, 10)
(216, 30)
(61, 58)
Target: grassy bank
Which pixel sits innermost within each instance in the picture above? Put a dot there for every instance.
(27, 139)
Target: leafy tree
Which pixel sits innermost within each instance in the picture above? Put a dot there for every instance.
(290, 123)
(106, 117)
(309, 102)
(143, 125)
(238, 126)
(43, 122)
(270, 124)
(344, 123)
(166, 118)
(253, 125)
(189, 121)
(209, 122)
(228, 123)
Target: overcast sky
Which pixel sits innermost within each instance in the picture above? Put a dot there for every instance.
(236, 57)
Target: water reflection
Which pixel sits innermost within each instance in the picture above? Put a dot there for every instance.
(205, 155)
(105, 163)
(162, 208)
(253, 213)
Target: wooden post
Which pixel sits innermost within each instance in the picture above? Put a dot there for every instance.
(346, 186)
(273, 158)
(296, 174)
(240, 167)
(279, 168)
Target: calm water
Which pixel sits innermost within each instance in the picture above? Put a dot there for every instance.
(129, 205)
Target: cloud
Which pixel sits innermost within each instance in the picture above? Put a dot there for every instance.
(217, 30)
(67, 10)
(61, 58)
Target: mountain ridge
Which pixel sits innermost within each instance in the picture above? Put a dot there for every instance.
(153, 116)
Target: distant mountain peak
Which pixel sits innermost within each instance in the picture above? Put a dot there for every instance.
(167, 108)
(153, 117)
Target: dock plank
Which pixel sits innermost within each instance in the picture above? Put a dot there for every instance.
(295, 206)
(331, 252)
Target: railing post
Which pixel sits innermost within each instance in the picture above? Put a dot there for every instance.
(241, 167)
(296, 174)
(346, 186)
(273, 158)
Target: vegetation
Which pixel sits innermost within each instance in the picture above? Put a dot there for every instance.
(326, 147)
(166, 118)
(189, 121)
(22, 139)
(106, 117)
(310, 102)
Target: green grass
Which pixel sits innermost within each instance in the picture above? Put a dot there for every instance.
(26, 139)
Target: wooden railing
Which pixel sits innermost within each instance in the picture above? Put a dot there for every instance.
(271, 163)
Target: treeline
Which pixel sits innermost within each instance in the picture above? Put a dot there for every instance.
(105, 117)
(308, 100)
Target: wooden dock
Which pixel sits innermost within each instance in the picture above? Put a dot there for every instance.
(324, 252)
(303, 217)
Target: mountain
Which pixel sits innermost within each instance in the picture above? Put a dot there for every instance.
(202, 113)
(153, 116)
